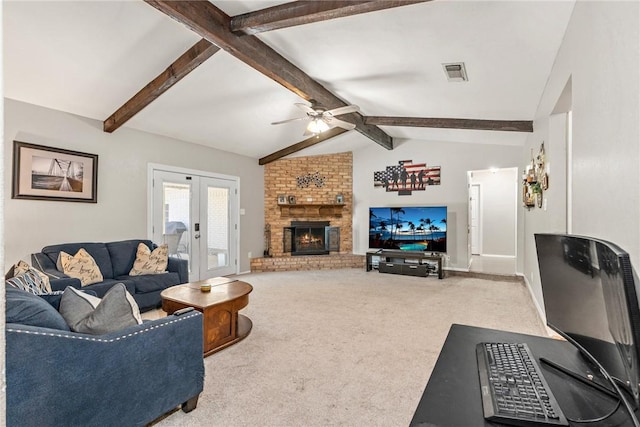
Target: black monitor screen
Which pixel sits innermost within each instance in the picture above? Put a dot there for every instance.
(589, 292)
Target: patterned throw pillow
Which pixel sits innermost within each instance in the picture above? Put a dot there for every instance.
(148, 262)
(22, 267)
(29, 279)
(81, 266)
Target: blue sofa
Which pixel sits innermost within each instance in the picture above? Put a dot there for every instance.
(115, 260)
(126, 378)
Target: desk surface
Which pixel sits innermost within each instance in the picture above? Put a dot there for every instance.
(452, 396)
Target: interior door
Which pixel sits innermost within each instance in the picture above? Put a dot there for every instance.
(218, 227)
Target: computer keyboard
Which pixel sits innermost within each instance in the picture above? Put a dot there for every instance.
(513, 389)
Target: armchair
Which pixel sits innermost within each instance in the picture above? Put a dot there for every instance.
(129, 377)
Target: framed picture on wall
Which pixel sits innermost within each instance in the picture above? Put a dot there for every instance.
(48, 173)
(292, 200)
(282, 199)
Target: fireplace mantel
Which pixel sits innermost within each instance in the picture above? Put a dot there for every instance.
(311, 210)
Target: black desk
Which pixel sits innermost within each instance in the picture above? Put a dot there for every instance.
(452, 396)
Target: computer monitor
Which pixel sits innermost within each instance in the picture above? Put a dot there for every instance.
(590, 294)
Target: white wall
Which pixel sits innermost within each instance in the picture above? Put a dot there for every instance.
(600, 54)
(498, 190)
(455, 159)
(121, 211)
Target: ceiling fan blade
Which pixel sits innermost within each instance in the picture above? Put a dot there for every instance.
(333, 122)
(342, 110)
(305, 108)
(290, 120)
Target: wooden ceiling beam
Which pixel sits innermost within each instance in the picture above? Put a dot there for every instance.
(472, 124)
(211, 23)
(182, 66)
(301, 145)
(305, 12)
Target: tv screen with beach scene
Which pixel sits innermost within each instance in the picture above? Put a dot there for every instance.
(408, 228)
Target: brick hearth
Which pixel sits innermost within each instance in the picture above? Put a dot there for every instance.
(315, 262)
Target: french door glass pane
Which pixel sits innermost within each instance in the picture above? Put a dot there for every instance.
(176, 218)
(217, 227)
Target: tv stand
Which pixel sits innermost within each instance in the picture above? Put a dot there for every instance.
(395, 262)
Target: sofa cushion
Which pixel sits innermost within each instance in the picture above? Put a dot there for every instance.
(81, 266)
(29, 309)
(150, 262)
(28, 279)
(98, 251)
(103, 287)
(123, 254)
(152, 282)
(92, 315)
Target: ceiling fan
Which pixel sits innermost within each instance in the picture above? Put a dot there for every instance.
(321, 119)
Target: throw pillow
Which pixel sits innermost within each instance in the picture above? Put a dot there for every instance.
(81, 266)
(75, 305)
(28, 279)
(148, 262)
(22, 267)
(28, 309)
(91, 315)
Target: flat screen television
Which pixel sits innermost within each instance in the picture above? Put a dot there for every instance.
(590, 294)
(408, 228)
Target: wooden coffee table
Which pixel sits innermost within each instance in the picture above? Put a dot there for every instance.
(223, 325)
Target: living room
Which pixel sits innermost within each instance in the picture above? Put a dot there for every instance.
(596, 68)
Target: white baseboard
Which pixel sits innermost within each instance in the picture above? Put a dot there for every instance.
(539, 309)
(497, 256)
(466, 270)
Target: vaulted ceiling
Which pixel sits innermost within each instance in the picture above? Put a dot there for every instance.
(219, 73)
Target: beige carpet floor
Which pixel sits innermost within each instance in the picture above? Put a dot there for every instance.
(345, 347)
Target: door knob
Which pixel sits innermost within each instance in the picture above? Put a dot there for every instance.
(197, 236)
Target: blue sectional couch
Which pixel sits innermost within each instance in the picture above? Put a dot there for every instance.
(131, 377)
(115, 260)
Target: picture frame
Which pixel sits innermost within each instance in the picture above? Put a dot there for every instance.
(339, 199)
(282, 199)
(292, 200)
(56, 174)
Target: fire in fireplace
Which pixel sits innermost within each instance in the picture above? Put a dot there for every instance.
(311, 238)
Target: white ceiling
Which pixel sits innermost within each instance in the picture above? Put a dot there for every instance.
(89, 57)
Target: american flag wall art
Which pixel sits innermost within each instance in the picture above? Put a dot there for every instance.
(406, 177)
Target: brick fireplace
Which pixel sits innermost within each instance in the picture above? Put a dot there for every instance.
(315, 182)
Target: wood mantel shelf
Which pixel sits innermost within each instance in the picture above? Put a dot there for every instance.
(311, 210)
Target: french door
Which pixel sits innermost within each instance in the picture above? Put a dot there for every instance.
(197, 217)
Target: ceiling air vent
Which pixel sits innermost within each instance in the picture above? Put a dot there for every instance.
(455, 72)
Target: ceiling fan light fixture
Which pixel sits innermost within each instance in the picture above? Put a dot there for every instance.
(456, 72)
(317, 126)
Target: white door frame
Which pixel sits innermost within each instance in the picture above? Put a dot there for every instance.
(151, 167)
(478, 211)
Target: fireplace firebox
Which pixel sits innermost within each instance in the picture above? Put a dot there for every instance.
(311, 238)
